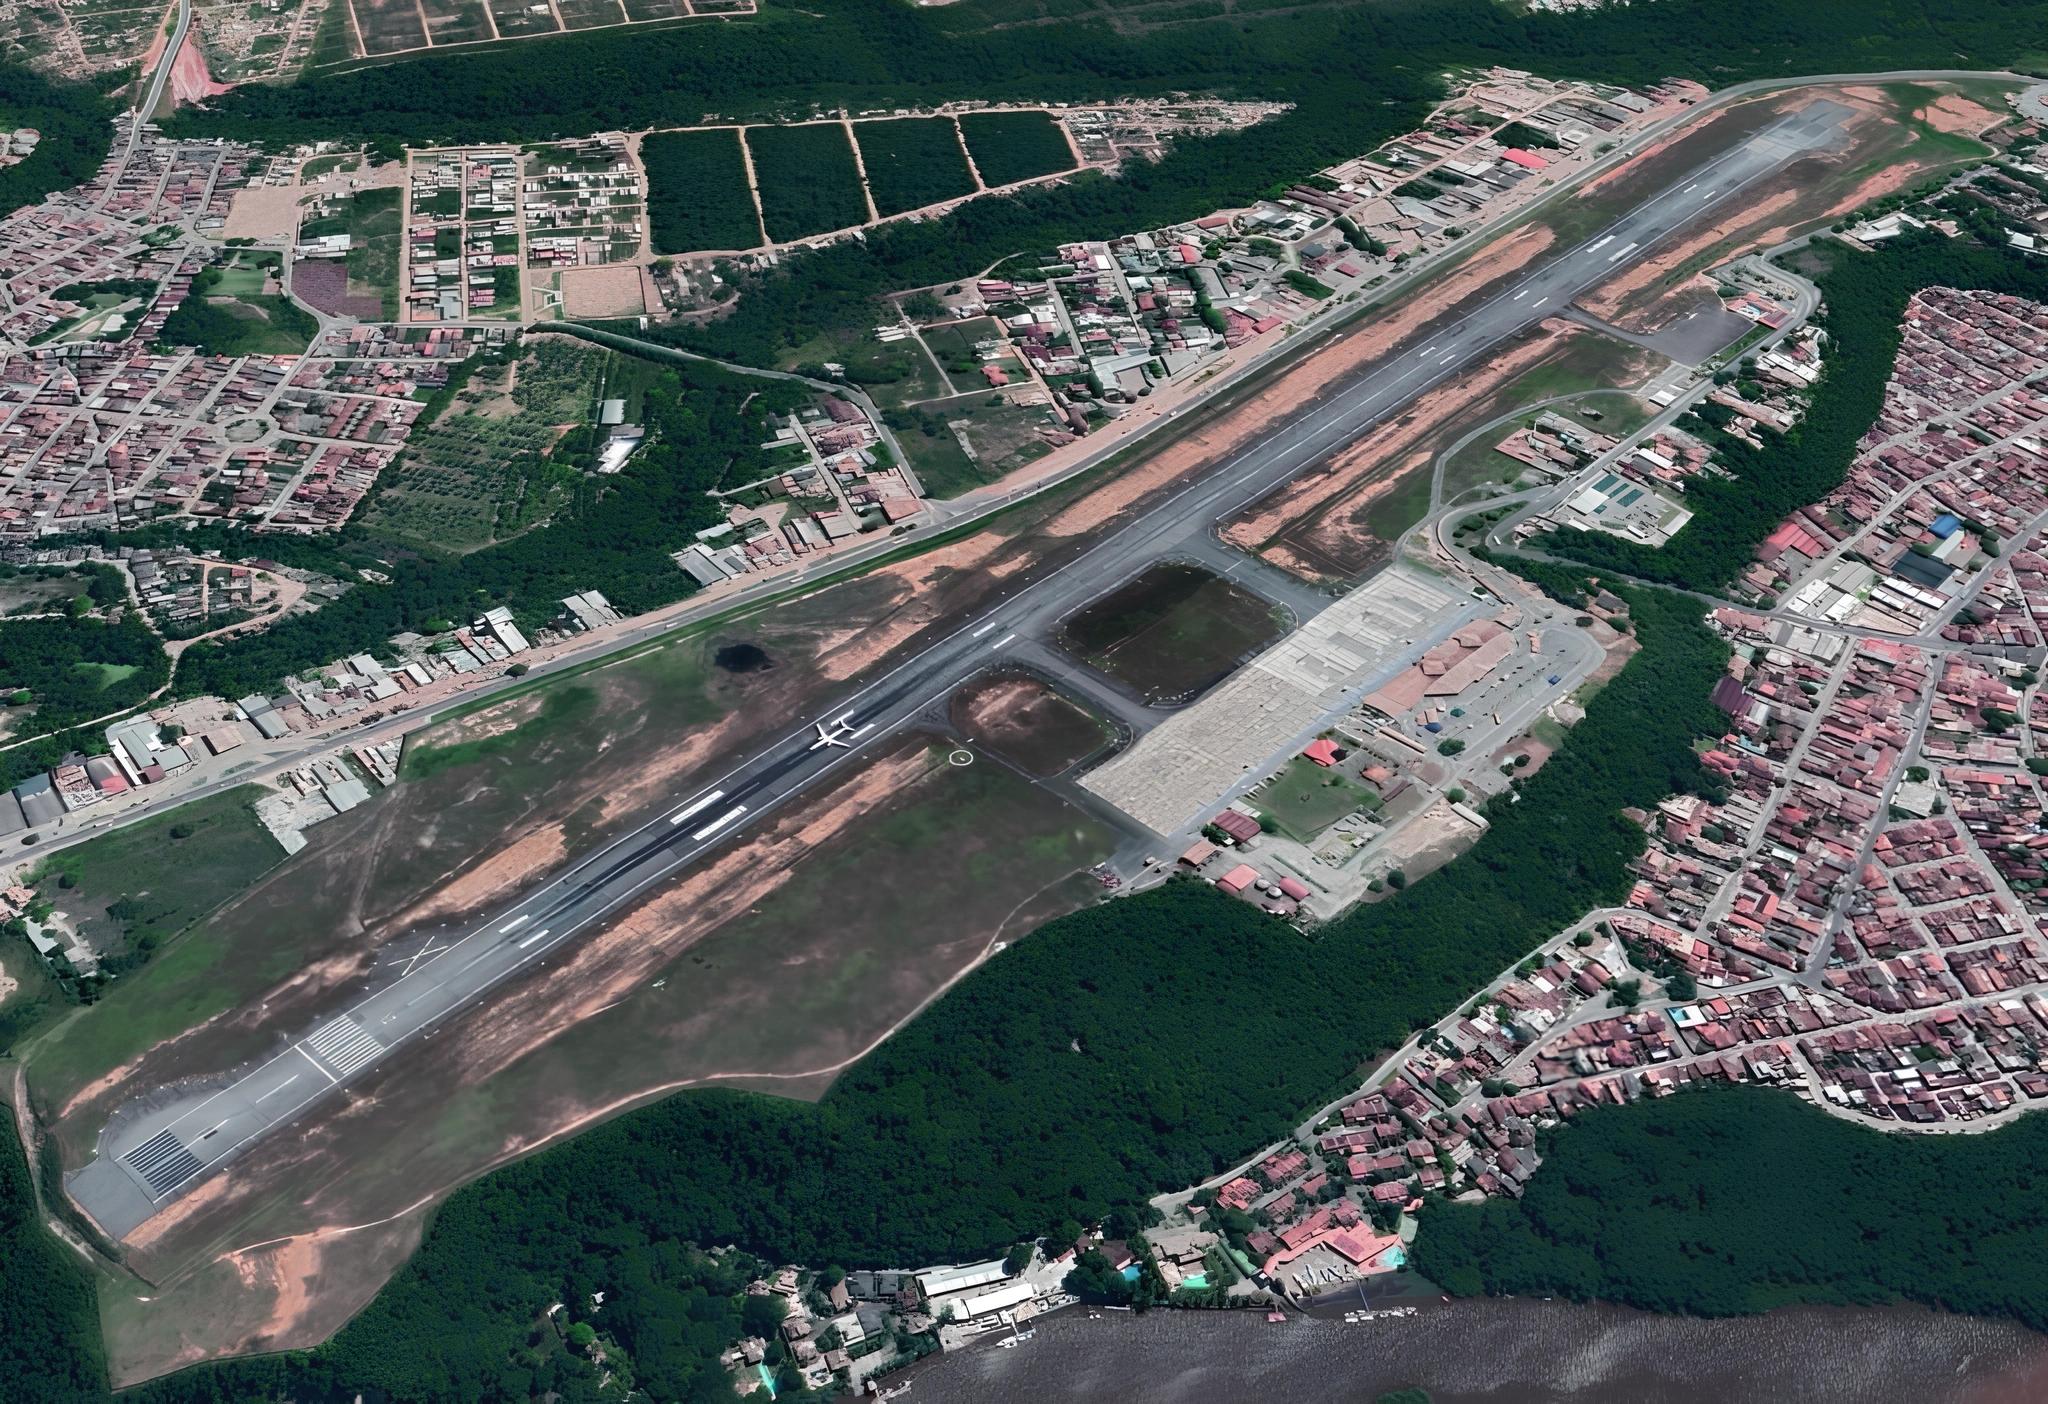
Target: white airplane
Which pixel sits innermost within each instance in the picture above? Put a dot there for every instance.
(839, 733)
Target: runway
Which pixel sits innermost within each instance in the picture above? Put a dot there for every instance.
(161, 1144)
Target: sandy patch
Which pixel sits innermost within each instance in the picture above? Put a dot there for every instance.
(996, 706)
(1958, 115)
(605, 290)
(208, 1191)
(604, 968)
(266, 212)
(1429, 840)
(658, 775)
(1606, 300)
(1348, 483)
(538, 851)
(1305, 383)
(190, 80)
(108, 1081)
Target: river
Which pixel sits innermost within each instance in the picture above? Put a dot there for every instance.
(1501, 1352)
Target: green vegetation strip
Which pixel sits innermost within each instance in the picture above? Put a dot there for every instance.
(697, 196)
(912, 162)
(808, 181)
(1724, 1202)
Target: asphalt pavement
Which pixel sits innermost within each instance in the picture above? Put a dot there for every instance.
(162, 1143)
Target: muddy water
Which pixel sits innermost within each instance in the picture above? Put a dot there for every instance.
(1503, 1352)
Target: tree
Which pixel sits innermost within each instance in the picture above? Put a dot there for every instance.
(1017, 1259)
(581, 1335)
(1397, 879)
(1449, 746)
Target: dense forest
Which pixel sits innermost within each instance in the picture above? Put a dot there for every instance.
(76, 134)
(1721, 1202)
(50, 1347)
(76, 669)
(1865, 296)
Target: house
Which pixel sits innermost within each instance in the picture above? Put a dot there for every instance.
(1238, 878)
(1238, 824)
(1323, 752)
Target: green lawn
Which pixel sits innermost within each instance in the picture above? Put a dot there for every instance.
(140, 893)
(1306, 799)
(109, 673)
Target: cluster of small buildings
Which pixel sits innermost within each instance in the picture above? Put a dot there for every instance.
(1954, 466)
(462, 235)
(581, 202)
(1633, 496)
(1494, 147)
(834, 479)
(139, 753)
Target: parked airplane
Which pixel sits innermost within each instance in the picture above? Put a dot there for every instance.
(839, 732)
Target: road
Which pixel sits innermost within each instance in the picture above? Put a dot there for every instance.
(161, 1144)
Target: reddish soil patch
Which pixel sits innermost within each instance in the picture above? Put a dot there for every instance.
(1305, 384)
(1027, 722)
(323, 283)
(1318, 526)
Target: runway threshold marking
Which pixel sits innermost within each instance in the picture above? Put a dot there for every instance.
(315, 1062)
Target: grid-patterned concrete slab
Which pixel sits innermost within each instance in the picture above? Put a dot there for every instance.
(1182, 765)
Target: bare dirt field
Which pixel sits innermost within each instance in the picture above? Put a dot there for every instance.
(1027, 722)
(1342, 520)
(773, 968)
(612, 290)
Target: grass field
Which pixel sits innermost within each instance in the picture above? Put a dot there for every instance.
(1027, 722)
(697, 195)
(373, 221)
(1305, 799)
(912, 162)
(1172, 633)
(229, 314)
(109, 673)
(147, 889)
(808, 181)
(475, 475)
(1012, 146)
(1002, 437)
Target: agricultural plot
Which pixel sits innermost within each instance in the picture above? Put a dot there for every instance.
(480, 471)
(912, 162)
(522, 18)
(389, 26)
(456, 21)
(697, 195)
(1013, 146)
(590, 14)
(809, 184)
